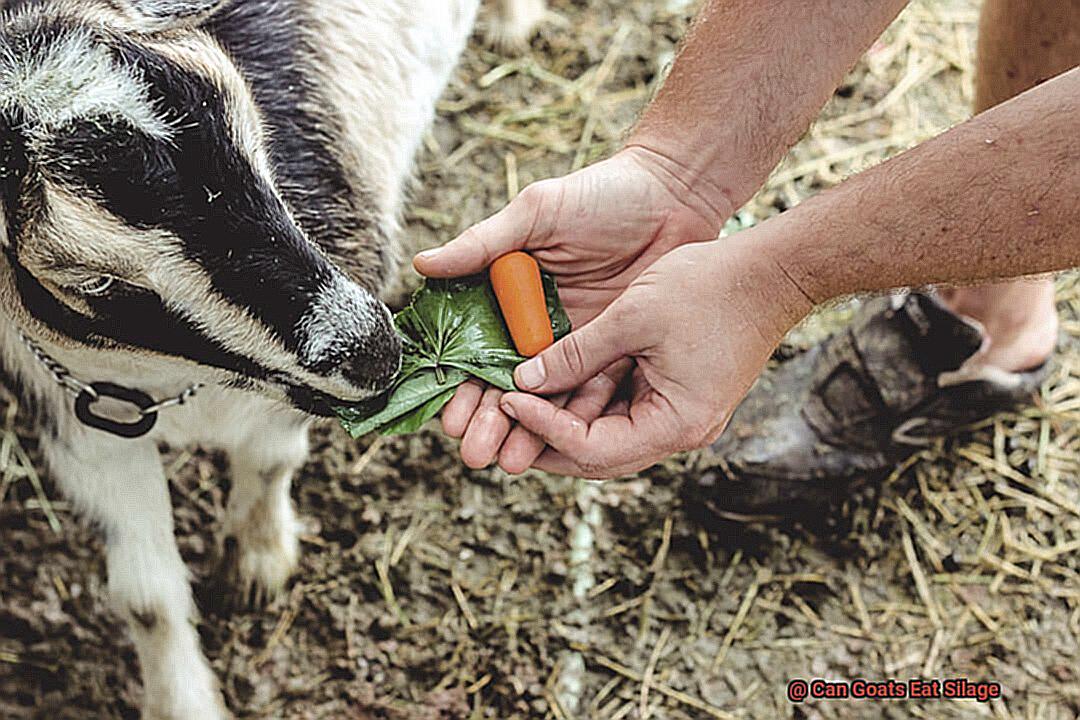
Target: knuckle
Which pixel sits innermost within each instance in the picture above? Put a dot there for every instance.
(538, 203)
(698, 435)
(605, 383)
(490, 415)
(715, 432)
(592, 467)
(572, 357)
(476, 241)
(623, 317)
(489, 248)
(571, 422)
(562, 430)
(537, 189)
(532, 197)
(472, 237)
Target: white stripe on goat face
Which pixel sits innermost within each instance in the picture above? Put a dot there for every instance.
(240, 274)
(75, 77)
(78, 242)
(198, 53)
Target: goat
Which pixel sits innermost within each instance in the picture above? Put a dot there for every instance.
(199, 210)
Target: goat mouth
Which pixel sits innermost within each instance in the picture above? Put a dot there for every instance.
(316, 402)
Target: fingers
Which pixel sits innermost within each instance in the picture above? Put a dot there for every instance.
(595, 396)
(611, 446)
(558, 464)
(523, 447)
(486, 432)
(460, 409)
(556, 426)
(599, 450)
(474, 414)
(520, 225)
(580, 356)
(520, 451)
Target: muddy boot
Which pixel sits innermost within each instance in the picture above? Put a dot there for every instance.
(851, 408)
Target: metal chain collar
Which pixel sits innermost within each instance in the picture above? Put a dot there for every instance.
(86, 394)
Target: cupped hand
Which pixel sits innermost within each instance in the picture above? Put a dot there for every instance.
(596, 230)
(698, 326)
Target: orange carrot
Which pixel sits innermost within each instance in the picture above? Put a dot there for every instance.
(516, 280)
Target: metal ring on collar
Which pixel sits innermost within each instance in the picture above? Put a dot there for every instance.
(85, 413)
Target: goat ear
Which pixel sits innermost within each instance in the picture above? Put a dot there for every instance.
(150, 16)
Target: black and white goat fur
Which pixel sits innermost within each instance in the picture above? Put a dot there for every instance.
(207, 191)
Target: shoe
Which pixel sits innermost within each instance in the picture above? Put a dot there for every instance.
(853, 407)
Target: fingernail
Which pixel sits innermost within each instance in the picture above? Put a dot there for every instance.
(532, 374)
(430, 254)
(508, 410)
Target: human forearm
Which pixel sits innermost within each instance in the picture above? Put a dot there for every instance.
(995, 197)
(749, 79)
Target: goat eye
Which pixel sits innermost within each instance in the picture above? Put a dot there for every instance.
(97, 286)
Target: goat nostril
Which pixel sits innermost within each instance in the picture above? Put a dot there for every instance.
(389, 363)
(377, 365)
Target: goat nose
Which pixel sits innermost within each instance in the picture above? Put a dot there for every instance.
(377, 358)
(349, 334)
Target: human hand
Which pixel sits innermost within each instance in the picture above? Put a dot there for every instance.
(596, 230)
(698, 325)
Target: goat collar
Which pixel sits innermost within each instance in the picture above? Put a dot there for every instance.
(88, 394)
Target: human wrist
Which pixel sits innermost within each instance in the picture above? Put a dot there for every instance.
(821, 245)
(691, 191)
(769, 270)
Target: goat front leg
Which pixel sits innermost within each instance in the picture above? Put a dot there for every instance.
(120, 485)
(260, 547)
(513, 23)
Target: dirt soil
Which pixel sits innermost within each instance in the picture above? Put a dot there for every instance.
(428, 591)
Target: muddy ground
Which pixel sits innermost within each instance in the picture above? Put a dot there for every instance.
(430, 591)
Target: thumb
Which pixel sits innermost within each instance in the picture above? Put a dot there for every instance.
(578, 357)
(518, 226)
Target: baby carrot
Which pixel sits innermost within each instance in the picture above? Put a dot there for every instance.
(516, 280)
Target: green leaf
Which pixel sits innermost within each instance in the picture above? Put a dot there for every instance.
(458, 322)
(499, 376)
(560, 321)
(451, 330)
(413, 421)
(405, 397)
